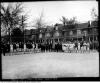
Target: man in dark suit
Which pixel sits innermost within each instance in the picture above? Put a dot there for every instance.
(3, 48)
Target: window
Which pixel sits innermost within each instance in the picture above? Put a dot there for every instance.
(85, 33)
(40, 36)
(78, 32)
(71, 33)
(56, 34)
(47, 35)
(56, 28)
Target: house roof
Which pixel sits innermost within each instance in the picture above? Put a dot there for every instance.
(83, 25)
(94, 23)
(33, 31)
(49, 28)
(60, 27)
(27, 32)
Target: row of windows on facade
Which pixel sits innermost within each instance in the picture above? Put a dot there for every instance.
(57, 33)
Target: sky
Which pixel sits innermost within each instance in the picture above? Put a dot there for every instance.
(54, 10)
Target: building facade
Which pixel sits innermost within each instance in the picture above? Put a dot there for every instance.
(60, 33)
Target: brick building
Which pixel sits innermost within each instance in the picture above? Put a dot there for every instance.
(59, 33)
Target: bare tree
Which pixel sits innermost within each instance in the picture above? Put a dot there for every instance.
(67, 21)
(94, 14)
(11, 18)
(11, 15)
(63, 20)
(39, 22)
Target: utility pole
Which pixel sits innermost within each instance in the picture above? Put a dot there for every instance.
(23, 28)
(23, 33)
(10, 32)
(93, 38)
(10, 29)
(77, 34)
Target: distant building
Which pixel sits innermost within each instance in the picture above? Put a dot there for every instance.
(59, 33)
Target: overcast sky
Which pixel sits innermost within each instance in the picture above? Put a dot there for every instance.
(54, 10)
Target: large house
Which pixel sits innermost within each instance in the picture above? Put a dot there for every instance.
(59, 33)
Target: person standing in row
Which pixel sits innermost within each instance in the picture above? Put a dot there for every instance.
(3, 49)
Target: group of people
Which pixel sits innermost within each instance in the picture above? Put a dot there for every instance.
(81, 46)
(30, 46)
(16, 47)
(23, 47)
(47, 47)
(5, 48)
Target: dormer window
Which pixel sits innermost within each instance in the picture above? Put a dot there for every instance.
(40, 36)
(47, 35)
(85, 32)
(89, 23)
(78, 32)
(56, 27)
(56, 34)
(71, 32)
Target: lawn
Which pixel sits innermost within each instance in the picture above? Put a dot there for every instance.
(50, 65)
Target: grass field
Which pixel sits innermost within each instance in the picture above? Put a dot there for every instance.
(50, 65)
